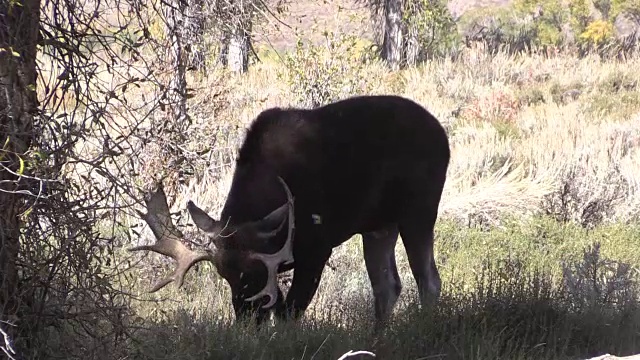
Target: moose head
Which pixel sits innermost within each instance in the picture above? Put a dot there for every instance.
(237, 250)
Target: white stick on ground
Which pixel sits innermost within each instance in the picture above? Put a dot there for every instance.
(351, 353)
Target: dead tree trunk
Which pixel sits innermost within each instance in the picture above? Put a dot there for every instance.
(18, 103)
(224, 49)
(392, 45)
(235, 42)
(412, 46)
(238, 50)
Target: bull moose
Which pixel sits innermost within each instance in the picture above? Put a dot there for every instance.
(373, 165)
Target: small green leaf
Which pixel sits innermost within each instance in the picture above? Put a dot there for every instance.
(26, 213)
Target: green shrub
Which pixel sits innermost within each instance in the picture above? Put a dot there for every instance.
(579, 15)
(433, 27)
(519, 27)
(617, 81)
(563, 93)
(604, 7)
(318, 74)
(549, 23)
(530, 96)
(618, 106)
(498, 28)
(618, 6)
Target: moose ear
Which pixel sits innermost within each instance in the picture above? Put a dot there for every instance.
(201, 219)
(271, 224)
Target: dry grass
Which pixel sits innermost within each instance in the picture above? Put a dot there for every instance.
(509, 162)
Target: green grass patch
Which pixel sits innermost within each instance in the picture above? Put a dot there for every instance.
(619, 106)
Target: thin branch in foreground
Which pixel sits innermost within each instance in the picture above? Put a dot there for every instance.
(7, 348)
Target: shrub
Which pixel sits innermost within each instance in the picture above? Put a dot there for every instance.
(618, 6)
(595, 35)
(530, 97)
(597, 281)
(318, 74)
(562, 94)
(549, 17)
(498, 28)
(583, 199)
(615, 106)
(432, 27)
(496, 107)
(618, 81)
(579, 15)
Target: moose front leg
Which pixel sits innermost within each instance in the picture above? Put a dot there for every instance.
(307, 273)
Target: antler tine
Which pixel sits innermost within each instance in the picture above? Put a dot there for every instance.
(272, 261)
(168, 239)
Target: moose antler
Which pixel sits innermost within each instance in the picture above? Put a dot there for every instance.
(272, 261)
(168, 239)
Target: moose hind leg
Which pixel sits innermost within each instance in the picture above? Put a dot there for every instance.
(419, 247)
(380, 261)
(417, 232)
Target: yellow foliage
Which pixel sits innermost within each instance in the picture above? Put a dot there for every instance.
(597, 32)
(156, 28)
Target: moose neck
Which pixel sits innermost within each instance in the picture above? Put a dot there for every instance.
(255, 192)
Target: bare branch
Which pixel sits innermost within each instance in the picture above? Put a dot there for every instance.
(7, 348)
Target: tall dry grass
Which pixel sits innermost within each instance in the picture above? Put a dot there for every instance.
(509, 155)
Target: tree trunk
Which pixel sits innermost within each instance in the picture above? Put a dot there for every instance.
(238, 49)
(18, 103)
(224, 49)
(412, 46)
(393, 37)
